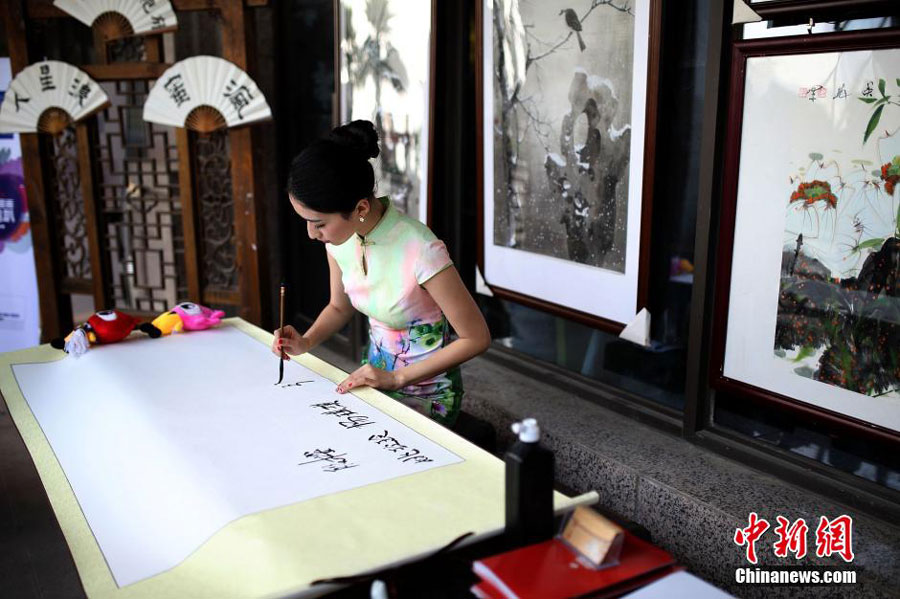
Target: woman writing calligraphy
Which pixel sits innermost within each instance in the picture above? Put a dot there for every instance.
(392, 269)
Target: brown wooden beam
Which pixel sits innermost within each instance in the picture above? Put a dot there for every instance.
(188, 213)
(125, 70)
(80, 286)
(153, 46)
(55, 307)
(234, 44)
(44, 10)
(99, 270)
(186, 5)
(248, 207)
(213, 296)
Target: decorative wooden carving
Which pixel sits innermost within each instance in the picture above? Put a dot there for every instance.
(216, 208)
(139, 201)
(67, 202)
(139, 215)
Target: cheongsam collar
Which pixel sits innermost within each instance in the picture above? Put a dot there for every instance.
(383, 226)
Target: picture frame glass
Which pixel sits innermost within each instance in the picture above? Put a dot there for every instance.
(385, 72)
(564, 97)
(814, 312)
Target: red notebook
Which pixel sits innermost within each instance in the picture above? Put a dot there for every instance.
(550, 569)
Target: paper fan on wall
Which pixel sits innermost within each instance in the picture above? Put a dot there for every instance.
(205, 93)
(48, 96)
(121, 18)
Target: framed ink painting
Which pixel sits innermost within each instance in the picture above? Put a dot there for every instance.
(384, 58)
(567, 118)
(808, 292)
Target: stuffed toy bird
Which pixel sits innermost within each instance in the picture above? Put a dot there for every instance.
(107, 326)
(187, 316)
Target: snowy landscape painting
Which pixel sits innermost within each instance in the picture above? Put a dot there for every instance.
(563, 78)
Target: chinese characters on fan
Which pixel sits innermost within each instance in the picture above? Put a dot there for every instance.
(175, 87)
(238, 95)
(46, 78)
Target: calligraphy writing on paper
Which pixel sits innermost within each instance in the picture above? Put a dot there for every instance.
(331, 460)
(405, 452)
(349, 418)
(297, 384)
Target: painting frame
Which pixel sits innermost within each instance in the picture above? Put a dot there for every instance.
(819, 9)
(729, 388)
(600, 315)
(340, 114)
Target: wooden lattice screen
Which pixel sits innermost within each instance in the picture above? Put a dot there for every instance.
(139, 215)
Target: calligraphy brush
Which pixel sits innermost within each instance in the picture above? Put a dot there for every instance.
(282, 357)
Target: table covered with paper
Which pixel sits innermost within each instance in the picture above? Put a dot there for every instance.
(176, 467)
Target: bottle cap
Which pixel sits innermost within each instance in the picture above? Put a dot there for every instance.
(528, 430)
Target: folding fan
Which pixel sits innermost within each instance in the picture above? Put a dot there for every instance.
(121, 18)
(205, 93)
(47, 96)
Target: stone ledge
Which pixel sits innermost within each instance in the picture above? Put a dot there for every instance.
(690, 499)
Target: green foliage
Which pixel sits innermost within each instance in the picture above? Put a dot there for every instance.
(805, 352)
(873, 122)
(878, 105)
(871, 243)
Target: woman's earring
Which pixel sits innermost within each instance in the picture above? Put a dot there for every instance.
(362, 219)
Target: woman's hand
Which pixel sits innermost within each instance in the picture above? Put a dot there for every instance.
(369, 376)
(291, 341)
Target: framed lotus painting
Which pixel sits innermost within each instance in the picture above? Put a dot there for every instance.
(809, 279)
(567, 116)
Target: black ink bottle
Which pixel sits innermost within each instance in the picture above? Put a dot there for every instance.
(529, 487)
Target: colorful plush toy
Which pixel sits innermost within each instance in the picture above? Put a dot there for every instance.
(108, 326)
(187, 316)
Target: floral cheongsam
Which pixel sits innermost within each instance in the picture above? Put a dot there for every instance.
(383, 274)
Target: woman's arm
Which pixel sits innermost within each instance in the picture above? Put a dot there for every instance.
(462, 312)
(330, 320)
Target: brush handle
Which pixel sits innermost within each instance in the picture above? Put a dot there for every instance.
(281, 317)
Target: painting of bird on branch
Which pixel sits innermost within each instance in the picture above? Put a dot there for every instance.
(563, 80)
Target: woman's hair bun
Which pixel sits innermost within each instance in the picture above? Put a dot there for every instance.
(359, 135)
